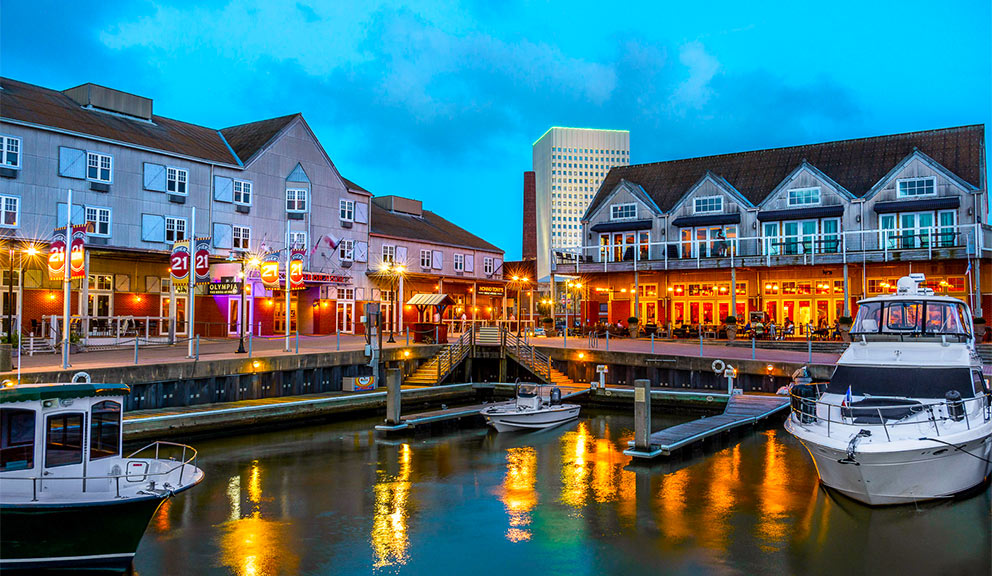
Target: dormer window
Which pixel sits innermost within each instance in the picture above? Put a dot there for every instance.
(804, 196)
(623, 211)
(708, 204)
(911, 187)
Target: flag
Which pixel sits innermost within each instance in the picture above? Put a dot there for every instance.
(330, 239)
(967, 271)
(847, 398)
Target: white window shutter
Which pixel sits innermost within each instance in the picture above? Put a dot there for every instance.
(122, 282)
(361, 213)
(497, 264)
(154, 177)
(153, 284)
(469, 263)
(152, 228)
(223, 235)
(401, 254)
(359, 294)
(361, 251)
(72, 162)
(223, 189)
(437, 259)
(78, 214)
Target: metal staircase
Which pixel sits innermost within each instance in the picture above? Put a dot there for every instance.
(435, 370)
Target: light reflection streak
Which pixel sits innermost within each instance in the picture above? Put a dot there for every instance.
(389, 537)
(773, 496)
(519, 495)
(724, 482)
(574, 472)
(672, 504)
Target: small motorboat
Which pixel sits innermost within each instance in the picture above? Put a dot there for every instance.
(68, 498)
(907, 414)
(531, 410)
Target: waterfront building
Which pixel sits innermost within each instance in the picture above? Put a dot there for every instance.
(136, 176)
(569, 165)
(798, 233)
(416, 251)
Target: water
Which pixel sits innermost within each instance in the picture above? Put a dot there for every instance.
(334, 500)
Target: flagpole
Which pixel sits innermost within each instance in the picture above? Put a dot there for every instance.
(288, 301)
(971, 290)
(190, 302)
(66, 282)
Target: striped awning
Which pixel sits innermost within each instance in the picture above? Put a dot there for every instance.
(917, 205)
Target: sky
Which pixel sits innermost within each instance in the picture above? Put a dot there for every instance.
(442, 101)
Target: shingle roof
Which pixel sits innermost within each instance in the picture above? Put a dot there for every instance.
(247, 139)
(429, 228)
(352, 186)
(857, 165)
(41, 106)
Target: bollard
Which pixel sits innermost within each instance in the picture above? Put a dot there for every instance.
(259, 328)
(338, 331)
(566, 336)
(700, 343)
(642, 415)
(437, 335)
(407, 335)
(197, 347)
(809, 349)
(652, 342)
(607, 339)
(394, 378)
(249, 344)
(297, 340)
(135, 349)
(752, 347)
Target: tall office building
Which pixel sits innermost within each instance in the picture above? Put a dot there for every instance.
(569, 165)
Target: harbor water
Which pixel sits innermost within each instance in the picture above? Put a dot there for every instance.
(335, 499)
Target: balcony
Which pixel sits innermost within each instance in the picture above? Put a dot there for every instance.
(941, 243)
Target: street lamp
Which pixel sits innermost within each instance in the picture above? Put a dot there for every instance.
(252, 262)
(394, 271)
(520, 282)
(31, 251)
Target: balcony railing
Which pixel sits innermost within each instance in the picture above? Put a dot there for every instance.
(833, 247)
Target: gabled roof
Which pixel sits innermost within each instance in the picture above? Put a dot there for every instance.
(247, 139)
(856, 165)
(428, 228)
(354, 187)
(30, 104)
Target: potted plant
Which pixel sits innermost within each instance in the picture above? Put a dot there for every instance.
(549, 325)
(632, 327)
(74, 340)
(730, 324)
(844, 324)
(978, 324)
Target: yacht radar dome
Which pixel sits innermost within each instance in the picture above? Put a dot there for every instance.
(913, 284)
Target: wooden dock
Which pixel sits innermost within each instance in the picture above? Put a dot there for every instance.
(741, 410)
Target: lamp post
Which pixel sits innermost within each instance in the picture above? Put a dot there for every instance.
(253, 262)
(520, 284)
(10, 296)
(394, 271)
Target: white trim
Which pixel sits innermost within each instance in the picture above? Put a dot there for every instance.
(3, 203)
(244, 238)
(428, 256)
(296, 193)
(346, 250)
(788, 196)
(182, 176)
(614, 208)
(234, 191)
(100, 156)
(900, 181)
(3, 152)
(346, 206)
(110, 220)
(72, 558)
(175, 229)
(695, 208)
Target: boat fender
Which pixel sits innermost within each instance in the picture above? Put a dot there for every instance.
(718, 366)
(955, 406)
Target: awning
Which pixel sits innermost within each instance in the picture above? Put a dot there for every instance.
(801, 213)
(687, 221)
(917, 205)
(622, 226)
(430, 300)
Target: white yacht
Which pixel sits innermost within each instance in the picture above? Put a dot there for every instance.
(906, 414)
(68, 498)
(530, 410)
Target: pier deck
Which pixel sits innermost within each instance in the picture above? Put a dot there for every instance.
(741, 410)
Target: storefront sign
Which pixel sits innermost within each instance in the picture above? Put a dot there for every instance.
(223, 288)
(270, 274)
(201, 260)
(489, 291)
(320, 277)
(296, 268)
(77, 255)
(56, 255)
(179, 261)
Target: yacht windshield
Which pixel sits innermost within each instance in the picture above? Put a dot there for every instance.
(912, 317)
(903, 382)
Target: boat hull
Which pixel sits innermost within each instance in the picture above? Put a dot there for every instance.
(506, 421)
(102, 535)
(903, 476)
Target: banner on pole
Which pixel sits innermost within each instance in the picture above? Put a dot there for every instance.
(77, 252)
(201, 260)
(296, 268)
(56, 255)
(269, 272)
(179, 261)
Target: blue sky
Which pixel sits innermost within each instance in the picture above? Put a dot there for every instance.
(442, 101)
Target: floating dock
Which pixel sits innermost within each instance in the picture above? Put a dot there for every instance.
(741, 410)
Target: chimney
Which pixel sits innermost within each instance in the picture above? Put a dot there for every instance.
(110, 100)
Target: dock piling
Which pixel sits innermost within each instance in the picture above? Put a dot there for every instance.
(642, 415)
(752, 347)
(135, 349)
(249, 344)
(393, 379)
(652, 342)
(337, 331)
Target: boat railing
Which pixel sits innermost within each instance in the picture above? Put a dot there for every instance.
(187, 458)
(804, 411)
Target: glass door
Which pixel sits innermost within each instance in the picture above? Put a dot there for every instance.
(180, 316)
(772, 241)
(805, 314)
(809, 239)
(345, 316)
(831, 238)
(790, 240)
(279, 315)
(887, 223)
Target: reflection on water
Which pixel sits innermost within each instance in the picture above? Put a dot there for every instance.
(332, 500)
(519, 496)
(390, 541)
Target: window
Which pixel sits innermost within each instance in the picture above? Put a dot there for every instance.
(105, 430)
(623, 211)
(10, 152)
(459, 260)
(241, 239)
(242, 192)
(100, 282)
(296, 200)
(425, 259)
(347, 210)
(346, 293)
(916, 187)
(487, 266)
(98, 167)
(708, 204)
(175, 229)
(388, 254)
(98, 221)
(346, 250)
(297, 239)
(804, 196)
(10, 211)
(175, 180)
(64, 440)
(16, 439)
